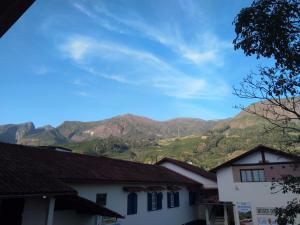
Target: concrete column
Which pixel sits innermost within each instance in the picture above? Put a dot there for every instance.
(225, 215)
(207, 215)
(236, 216)
(50, 213)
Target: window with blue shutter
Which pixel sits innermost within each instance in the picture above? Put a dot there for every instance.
(154, 201)
(176, 199)
(169, 199)
(159, 200)
(132, 204)
(173, 199)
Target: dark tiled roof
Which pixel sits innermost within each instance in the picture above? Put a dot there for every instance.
(25, 169)
(259, 148)
(192, 168)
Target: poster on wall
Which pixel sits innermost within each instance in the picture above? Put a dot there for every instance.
(266, 216)
(244, 212)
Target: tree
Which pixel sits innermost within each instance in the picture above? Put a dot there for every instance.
(271, 29)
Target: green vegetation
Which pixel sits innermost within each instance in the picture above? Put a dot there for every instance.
(207, 150)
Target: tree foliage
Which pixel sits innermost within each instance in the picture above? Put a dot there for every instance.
(271, 29)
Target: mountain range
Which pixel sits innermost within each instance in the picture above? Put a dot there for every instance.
(203, 142)
(125, 126)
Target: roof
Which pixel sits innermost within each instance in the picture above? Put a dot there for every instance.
(82, 205)
(259, 148)
(10, 11)
(25, 169)
(192, 168)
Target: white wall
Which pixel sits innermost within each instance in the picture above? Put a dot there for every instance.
(257, 158)
(207, 183)
(117, 201)
(253, 158)
(35, 211)
(258, 194)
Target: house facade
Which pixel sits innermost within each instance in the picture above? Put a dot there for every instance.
(245, 182)
(57, 187)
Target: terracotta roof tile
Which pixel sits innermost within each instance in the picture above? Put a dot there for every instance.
(25, 169)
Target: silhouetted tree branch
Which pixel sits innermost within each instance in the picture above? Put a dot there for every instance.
(271, 29)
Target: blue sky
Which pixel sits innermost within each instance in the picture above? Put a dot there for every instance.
(90, 60)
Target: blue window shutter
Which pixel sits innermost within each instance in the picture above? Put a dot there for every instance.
(135, 204)
(159, 200)
(131, 203)
(169, 199)
(176, 199)
(149, 201)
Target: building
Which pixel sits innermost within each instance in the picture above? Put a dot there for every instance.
(53, 186)
(245, 183)
(210, 210)
(57, 187)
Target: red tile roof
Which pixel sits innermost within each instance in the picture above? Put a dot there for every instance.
(25, 169)
(192, 168)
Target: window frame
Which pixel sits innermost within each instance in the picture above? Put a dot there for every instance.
(173, 199)
(155, 199)
(260, 172)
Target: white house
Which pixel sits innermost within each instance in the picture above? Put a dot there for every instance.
(42, 186)
(245, 182)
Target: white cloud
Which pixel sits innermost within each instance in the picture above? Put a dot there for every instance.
(206, 48)
(77, 48)
(136, 67)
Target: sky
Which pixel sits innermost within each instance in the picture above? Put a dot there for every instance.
(90, 60)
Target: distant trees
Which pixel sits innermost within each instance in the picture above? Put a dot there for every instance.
(271, 29)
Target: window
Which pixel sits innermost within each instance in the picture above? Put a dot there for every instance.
(154, 201)
(192, 197)
(253, 175)
(173, 199)
(131, 204)
(101, 199)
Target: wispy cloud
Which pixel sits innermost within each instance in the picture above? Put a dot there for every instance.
(205, 48)
(137, 67)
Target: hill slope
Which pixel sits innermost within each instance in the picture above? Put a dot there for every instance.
(125, 126)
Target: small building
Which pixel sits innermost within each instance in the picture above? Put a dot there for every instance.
(245, 183)
(210, 210)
